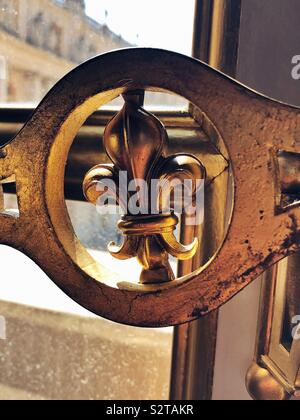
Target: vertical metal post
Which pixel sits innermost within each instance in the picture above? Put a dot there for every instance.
(216, 36)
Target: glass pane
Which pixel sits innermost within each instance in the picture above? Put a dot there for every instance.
(37, 46)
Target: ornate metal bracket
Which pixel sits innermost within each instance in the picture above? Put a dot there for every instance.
(137, 143)
(275, 374)
(254, 131)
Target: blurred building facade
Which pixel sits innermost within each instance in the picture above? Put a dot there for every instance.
(42, 40)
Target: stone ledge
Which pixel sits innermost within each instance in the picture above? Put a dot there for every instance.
(68, 357)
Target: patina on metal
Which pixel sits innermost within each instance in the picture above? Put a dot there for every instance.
(274, 374)
(136, 142)
(252, 127)
(216, 42)
(88, 150)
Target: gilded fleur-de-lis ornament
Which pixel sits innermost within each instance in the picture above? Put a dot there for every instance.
(136, 143)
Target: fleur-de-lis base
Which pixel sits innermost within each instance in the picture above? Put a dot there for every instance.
(136, 143)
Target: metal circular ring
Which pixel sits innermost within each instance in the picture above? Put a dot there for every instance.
(254, 129)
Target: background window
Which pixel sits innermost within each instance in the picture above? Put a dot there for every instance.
(44, 40)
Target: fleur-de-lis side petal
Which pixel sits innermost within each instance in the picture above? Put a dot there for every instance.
(137, 143)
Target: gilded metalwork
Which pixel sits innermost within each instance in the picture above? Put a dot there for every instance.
(288, 179)
(137, 143)
(216, 35)
(87, 150)
(251, 127)
(262, 385)
(275, 372)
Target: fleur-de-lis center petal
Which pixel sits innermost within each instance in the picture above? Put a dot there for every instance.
(137, 142)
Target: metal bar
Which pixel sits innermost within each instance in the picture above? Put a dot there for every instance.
(216, 37)
(288, 180)
(202, 32)
(87, 149)
(265, 317)
(20, 114)
(225, 34)
(195, 343)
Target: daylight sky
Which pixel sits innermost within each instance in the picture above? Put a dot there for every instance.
(150, 23)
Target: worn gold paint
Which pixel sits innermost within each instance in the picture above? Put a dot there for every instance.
(253, 128)
(137, 143)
